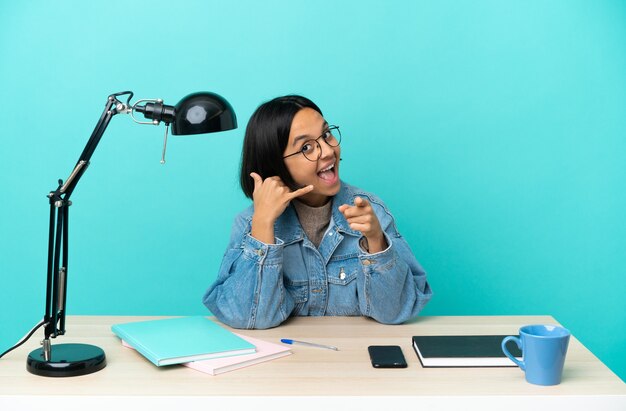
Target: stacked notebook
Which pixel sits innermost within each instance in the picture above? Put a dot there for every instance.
(196, 342)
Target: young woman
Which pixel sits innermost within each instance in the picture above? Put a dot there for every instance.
(310, 245)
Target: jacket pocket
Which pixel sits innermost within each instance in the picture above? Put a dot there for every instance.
(342, 284)
(295, 277)
(342, 270)
(299, 291)
(341, 277)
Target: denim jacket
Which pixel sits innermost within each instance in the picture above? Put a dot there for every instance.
(260, 285)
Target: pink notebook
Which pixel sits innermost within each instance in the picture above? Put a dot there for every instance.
(265, 351)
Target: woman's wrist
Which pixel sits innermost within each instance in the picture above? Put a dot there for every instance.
(262, 229)
(377, 243)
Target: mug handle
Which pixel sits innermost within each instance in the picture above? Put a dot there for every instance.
(506, 352)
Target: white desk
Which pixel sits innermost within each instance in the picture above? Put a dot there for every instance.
(313, 377)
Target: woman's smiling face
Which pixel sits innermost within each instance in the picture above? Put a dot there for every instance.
(323, 174)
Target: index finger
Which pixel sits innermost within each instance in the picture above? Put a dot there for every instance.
(360, 202)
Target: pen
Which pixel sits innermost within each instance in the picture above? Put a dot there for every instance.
(328, 347)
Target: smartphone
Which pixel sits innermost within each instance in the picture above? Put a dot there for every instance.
(386, 356)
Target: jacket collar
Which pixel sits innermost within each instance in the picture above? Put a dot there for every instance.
(344, 196)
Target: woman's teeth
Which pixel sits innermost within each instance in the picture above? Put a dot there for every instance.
(327, 173)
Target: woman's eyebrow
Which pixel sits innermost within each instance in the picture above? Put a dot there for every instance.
(302, 137)
(308, 136)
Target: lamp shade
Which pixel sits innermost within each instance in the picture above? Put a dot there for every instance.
(203, 112)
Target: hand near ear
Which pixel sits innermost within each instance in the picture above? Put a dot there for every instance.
(271, 197)
(361, 217)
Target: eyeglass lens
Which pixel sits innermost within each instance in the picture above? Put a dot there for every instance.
(312, 149)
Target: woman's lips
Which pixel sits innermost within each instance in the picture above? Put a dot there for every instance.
(328, 174)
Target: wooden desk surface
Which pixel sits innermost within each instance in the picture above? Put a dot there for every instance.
(311, 371)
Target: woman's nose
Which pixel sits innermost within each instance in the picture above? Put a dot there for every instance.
(326, 149)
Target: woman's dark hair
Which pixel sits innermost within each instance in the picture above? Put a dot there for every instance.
(267, 135)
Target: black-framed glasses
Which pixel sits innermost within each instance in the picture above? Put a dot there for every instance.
(312, 150)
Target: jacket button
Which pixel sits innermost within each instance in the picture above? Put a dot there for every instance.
(368, 262)
(342, 275)
(260, 252)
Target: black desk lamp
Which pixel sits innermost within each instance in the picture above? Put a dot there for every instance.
(195, 114)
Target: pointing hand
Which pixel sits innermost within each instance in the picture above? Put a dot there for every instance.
(361, 217)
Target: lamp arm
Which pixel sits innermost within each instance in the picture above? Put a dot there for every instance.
(56, 282)
(112, 107)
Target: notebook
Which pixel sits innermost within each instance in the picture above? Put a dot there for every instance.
(265, 351)
(178, 340)
(463, 351)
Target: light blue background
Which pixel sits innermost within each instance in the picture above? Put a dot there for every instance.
(494, 130)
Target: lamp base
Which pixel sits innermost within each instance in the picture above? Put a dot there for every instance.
(67, 360)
